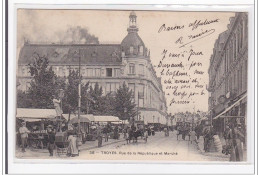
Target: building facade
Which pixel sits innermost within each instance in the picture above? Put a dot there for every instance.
(228, 74)
(109, 65)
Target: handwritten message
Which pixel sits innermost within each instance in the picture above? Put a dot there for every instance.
(183, 69)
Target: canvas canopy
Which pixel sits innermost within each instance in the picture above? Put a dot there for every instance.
(82, 120)
(35, 114)
(93, 118)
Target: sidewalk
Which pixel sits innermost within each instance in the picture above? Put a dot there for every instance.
(200, 145)
(44, 153)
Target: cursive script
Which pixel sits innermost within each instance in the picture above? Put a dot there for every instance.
(198, 23)
(170, 28)
(198, 36)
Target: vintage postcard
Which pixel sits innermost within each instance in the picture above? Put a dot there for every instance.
(132, 85)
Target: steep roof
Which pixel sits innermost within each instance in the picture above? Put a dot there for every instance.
(69, 54)
(134, 40)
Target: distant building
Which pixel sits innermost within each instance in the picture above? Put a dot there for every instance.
(228, 74)
(109, 65)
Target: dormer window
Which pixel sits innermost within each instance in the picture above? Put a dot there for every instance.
(141, 50)
(131, 49)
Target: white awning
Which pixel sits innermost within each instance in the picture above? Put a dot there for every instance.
(93, 118)
(35, 114)
(106, 119)
(229, 116)
(230, 107)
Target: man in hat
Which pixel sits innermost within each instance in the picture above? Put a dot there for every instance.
(51, 139)
(24, 135)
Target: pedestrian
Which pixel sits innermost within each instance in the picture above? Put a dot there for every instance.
(236, 148)
(149, 131)
(105, 131)
(73, 147)
(125, 132)
(128, 134)
(227, 135)
(192, 136)
(51, 139)
(183, 132)
(206, 140)
(198, 131)
(24, 135)
(116, 133)
(99, 136)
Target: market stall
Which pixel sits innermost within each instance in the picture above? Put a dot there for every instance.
(84, 126)
(36, 121)
(112, 122)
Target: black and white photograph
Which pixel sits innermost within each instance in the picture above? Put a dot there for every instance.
(131, 85)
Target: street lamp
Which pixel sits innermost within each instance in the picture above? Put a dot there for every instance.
(77, 54)
(61, 95)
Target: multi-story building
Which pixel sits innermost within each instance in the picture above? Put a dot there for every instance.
(228, 74)
(109, 65)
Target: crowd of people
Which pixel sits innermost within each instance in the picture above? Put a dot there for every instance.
(234, 138)
(70, 138)
(233, 135)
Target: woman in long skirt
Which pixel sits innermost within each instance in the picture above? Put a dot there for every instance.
(73, 147)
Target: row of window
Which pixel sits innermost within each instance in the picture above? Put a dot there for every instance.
(140, 50)
(112, 87)
(238, 78)
(237, 81)
(89, 72)
(94, 72)
(132, 69)
(232, 50)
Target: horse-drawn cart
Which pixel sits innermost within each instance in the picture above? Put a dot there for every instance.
(137, 132)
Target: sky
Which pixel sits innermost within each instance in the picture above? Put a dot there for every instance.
(48, 26)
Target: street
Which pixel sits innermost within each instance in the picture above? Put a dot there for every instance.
(158, 147)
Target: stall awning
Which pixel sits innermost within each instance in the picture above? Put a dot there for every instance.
(92, 118)
(230, 107)
(106, 119)
(229, 116)
(35, 114)
(82, 120)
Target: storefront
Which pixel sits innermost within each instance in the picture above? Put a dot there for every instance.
(234, 114)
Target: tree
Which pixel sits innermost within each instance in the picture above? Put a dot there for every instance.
(97, 102)
(42, 86)
(124, 106)
(109, 102)
(71, 93)
(23, 100)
